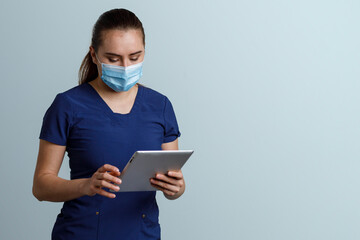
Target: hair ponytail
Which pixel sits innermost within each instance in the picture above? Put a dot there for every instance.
(88, 70)
(120, 19)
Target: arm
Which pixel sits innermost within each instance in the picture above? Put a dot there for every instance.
(49, 187)
(171, 184)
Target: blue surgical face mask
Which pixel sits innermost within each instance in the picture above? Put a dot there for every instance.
(121, 78)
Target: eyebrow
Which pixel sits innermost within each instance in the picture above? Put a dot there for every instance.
(117, 55)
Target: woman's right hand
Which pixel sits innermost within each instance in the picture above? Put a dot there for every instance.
(105, 176)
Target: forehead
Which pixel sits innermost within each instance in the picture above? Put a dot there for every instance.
(121, 42)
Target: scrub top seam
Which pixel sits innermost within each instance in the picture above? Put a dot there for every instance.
(72, 112)
(164, 118)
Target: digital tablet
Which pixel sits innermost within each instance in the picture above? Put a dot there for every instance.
(143, 165)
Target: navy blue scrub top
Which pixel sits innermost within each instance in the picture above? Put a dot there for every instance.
(94, 135)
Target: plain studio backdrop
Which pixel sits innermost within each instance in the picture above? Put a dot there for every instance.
(265, 92)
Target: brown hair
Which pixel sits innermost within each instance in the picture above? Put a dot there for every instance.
(120, 19)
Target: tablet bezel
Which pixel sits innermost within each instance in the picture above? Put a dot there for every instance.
(143, 165)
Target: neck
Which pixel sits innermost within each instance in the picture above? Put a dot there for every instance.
(108, 93)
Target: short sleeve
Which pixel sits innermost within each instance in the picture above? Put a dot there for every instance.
(171, 127)
(57, 121)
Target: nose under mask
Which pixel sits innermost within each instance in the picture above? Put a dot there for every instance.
(120, 78)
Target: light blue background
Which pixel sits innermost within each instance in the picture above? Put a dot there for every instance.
(265, 92)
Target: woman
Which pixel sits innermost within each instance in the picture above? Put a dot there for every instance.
(101, 123)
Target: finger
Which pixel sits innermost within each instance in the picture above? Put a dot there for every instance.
(175, 174)
(108, 167)
(108, 177)
(165, 186)
(116, 174)
(166, 179)
(104, 193)
(104, 183)
(167, 192)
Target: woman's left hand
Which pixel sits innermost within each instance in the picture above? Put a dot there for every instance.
(171, 184)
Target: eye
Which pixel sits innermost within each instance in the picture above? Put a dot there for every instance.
(134, 59)
(113, 60)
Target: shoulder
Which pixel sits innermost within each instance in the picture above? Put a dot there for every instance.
(74, 91)
(152, 96)
(65, 101)
(73, 95)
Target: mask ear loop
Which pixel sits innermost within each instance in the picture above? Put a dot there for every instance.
(98, 59)
(101, 64)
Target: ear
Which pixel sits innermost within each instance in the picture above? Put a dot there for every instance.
(92, 53)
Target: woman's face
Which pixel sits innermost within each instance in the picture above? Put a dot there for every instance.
(120, 48)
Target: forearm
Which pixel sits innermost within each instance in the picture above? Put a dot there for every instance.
(49, 187)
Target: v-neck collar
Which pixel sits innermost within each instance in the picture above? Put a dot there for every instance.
(109, 111)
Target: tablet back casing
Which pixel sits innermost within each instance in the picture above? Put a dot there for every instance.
(143, 165)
